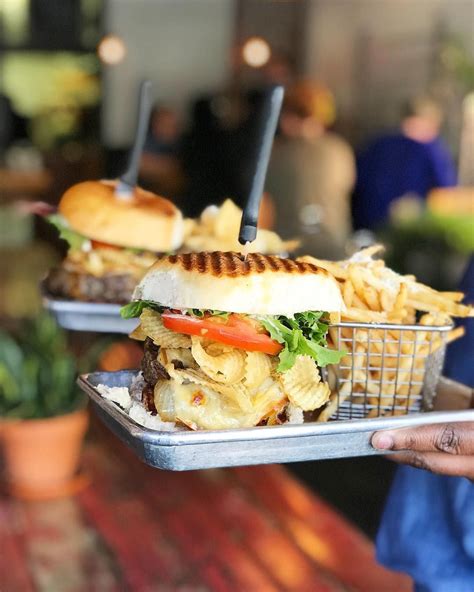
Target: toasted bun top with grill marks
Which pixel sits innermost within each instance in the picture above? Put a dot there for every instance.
(144, 221)
(232, 264)
(257, 284)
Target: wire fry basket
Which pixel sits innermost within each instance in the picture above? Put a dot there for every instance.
(389, 369)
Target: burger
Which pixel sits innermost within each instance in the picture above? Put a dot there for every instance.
(233, 341)
(112, 240)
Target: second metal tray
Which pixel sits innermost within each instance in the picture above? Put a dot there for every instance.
(185, 450)
(88, 316)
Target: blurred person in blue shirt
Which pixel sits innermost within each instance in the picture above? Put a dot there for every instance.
(427, 528)
(410, 163)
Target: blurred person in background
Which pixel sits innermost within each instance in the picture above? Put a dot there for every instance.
(427, 529)
(311, 173)
(406, 164)
(219, 146)
(278, 70)
(160, 167)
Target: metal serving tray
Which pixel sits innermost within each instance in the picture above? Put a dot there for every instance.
(88, 316)
(186, 450)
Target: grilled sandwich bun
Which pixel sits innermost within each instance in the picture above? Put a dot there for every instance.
(258, 284)
(145, 221)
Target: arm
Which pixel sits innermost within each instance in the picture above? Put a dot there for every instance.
(447, 449)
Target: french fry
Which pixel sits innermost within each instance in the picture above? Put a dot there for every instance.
(348, 293)
(356, 278)
(455, 334)
(401, 298)
(387, 303)
(337, 270)
(372, 299)
(454, 296)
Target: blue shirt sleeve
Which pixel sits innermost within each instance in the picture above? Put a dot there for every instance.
(442, 165)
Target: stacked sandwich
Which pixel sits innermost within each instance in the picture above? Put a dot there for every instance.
(233, 341)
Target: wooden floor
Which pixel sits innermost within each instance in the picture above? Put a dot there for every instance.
(139, 529)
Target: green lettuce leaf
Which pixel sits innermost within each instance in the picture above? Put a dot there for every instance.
(304, 334)
(134, 309)
(73, 238)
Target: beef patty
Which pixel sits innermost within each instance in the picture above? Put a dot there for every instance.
(114, 288)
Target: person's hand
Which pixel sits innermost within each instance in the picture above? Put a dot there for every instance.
(447, 449)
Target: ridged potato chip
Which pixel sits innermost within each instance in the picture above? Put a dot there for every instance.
(258, 367)
(176, 354)
(152, 326)
(302, 384)
(227, 367)
(138, 333)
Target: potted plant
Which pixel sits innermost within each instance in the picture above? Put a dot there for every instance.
(43, 416)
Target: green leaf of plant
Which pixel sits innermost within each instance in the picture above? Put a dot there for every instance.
(37, 372)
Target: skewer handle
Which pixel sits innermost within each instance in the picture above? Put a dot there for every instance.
(267, 125)
(130, 176)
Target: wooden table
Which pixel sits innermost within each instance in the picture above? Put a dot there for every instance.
(139, 529)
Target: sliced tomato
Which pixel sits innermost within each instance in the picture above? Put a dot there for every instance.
(100, 245)
(234, 331)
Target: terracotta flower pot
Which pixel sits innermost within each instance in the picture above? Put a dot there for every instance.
(42, 455)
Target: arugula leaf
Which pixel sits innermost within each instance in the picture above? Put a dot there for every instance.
(304, 334)
(197, 312)
(134, 309)
(73, 238)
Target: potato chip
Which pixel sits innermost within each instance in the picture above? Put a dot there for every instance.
(138, 333)
(152, 326)
(269, 398)
(302, 384)
(227, 367)
(258, 367)
(227, 220)
(217, 230)
(164, 400)
(177, 354)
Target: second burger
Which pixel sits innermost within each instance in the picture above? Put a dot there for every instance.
(112, 241)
